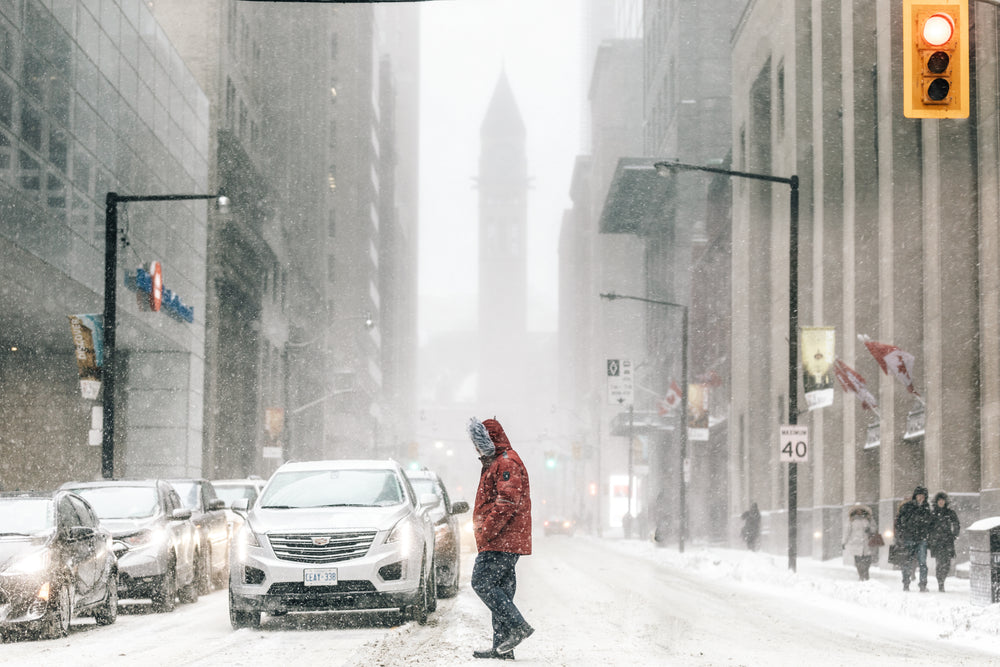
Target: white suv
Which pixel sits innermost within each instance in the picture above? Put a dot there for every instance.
(333, 535)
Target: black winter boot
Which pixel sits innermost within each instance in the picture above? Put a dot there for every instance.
(493, 654)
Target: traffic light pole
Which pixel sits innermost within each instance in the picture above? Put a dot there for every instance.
(682, 482)
(666, 168)
(109, 372)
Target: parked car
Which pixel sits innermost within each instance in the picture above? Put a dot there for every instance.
(208, 513)
(333, 535)
(56, 562)
(447, 536)
(231, 490)
(559, 526)
(154, 538)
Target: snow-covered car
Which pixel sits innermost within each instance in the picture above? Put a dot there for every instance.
(154, 538)
(231, 490)
(559, 526)
(447, 535)
(56, 562)
(333, 536)
(208, 513)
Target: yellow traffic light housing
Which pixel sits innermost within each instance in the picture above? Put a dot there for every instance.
(936, 59)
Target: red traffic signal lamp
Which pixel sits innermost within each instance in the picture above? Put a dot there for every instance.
(936, 58)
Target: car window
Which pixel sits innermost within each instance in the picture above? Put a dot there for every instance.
(231, 492)
(67, 516)
(26, 516)
(84, 513)
(173, 501)
(120, 502)
(208, 492)
(422, 486)
(329, 488)
(188, 493)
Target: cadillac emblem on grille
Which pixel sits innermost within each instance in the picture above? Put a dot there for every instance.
(321, 541)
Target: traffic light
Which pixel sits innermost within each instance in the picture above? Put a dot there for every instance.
(936, 59)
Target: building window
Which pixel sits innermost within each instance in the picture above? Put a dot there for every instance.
(6, 104)
(31, 127)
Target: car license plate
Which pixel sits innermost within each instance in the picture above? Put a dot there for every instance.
(324, 577)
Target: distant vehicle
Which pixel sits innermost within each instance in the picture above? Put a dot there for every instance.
(330, 536)
(208, 514)
(559, 526)
(154, 538)
(56, 562)
(234, 489)
(447, 535)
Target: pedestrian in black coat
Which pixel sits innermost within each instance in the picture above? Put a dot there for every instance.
(941, 541)
(913, 527)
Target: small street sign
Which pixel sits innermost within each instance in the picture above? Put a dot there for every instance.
(794, 442)
(620, 384)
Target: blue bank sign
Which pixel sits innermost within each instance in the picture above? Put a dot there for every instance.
(150, 283)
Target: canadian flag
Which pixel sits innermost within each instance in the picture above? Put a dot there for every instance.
(851, 380)
(893, 361)
(672, 399)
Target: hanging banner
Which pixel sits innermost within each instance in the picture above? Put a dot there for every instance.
(817, 365)
(88, 339)
(698, 413)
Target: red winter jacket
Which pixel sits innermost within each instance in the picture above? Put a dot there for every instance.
(502, 515)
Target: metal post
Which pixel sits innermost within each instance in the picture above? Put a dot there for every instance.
(109, 369)
(684, 429)
(631, 436)
(667, 167)
(793, 359)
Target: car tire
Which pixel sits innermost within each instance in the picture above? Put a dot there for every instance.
(432, 601)
(446, 590)
(60, 613)
(241, 618)
(203, 573)
(419, 610)
(107, 613)
(165, 595)
(188, 594)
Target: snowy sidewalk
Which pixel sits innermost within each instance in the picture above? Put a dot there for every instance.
(951, 612)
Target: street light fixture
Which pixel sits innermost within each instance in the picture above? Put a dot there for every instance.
(666, 169)
(111, 312)
(682, 485)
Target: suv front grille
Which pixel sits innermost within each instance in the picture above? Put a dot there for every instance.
(321, 547)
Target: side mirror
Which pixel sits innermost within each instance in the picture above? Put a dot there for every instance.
(459, 507)
(180, 514)
(240, 506)
(216, 504)
(429, 500)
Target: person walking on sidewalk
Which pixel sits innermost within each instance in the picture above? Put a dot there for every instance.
(942, 537)
(913, 526)
(860, 528)
(501, 522)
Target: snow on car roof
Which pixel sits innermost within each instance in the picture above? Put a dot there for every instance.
(342, 464)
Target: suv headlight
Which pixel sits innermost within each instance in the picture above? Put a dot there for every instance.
(403, 532)
(33, 563)
(245, 538)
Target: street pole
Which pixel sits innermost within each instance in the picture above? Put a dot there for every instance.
(631, 437)
(682, 482)
(109, 373)
(666, 168)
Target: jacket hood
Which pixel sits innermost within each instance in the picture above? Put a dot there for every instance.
(497, 434)
(920, 491)
(859, 509)
(941, 495)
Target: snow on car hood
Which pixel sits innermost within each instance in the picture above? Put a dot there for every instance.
(326, 518)
(11, 547)
(119, 527)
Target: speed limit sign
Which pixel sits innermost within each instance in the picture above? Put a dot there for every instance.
(794, 443)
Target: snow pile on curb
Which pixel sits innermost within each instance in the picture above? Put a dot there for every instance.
(952, 612)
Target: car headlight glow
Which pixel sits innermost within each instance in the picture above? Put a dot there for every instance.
(145, 538)
(245, 538)
(402, 532)
(32, 563)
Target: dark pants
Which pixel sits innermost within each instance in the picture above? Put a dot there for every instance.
(942, 569)
(915, 554)
(495, 583)
(863, 563)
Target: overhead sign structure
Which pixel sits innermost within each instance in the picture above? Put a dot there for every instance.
(621, 389)
(794, 442)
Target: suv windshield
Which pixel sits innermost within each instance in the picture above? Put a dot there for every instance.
(121, 502)
(331, 488)
(25, 516)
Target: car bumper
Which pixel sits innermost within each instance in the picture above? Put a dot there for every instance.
(19, 605)
(264, 583)
(139, 571)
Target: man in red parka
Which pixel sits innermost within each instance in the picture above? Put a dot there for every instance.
(501, 520)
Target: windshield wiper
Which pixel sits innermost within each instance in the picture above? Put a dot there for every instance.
(344, 505)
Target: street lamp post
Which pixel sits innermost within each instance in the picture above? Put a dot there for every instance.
(111, 314)
(682, 484)
(665, 169)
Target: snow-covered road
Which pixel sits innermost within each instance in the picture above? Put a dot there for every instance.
(592, 602)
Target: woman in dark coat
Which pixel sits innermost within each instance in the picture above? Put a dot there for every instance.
(941, 541)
